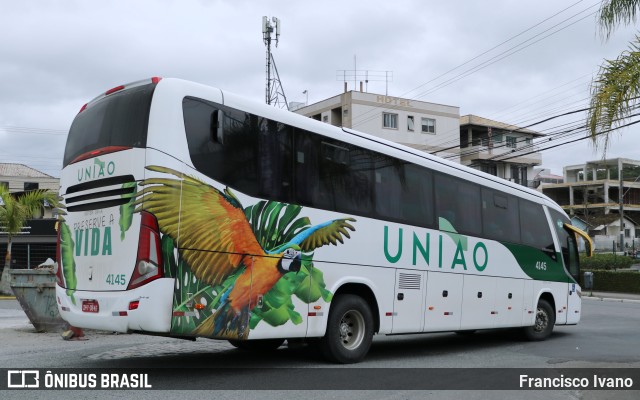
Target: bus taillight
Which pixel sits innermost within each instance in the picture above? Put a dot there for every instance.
(149, 261)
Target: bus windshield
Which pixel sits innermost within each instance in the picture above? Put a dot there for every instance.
(119, 119)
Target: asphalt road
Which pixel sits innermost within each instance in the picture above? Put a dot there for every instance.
(606, 337)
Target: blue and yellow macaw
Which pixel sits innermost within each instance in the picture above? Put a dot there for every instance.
(216, 240)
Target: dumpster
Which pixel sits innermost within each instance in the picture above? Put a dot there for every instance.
(36, 292)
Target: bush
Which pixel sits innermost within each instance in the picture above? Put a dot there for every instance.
(605, 261)
(614, 281)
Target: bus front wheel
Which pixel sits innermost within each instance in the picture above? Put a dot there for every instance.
(545, 320)
(349, 330)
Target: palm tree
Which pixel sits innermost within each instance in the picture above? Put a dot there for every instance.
(616, 90)
(14, 212)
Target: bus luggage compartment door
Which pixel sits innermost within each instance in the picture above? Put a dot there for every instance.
(444, 302)
(409, 301)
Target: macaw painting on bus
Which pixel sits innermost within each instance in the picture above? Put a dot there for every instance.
(231, 258)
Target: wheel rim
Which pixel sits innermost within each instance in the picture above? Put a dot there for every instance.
(351, 329)
(542, 320)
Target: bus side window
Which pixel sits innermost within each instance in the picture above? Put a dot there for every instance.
(573, 256)
(500, 216)
(458, 202)
(274, 156)
(309, 186)
(534, 227)
(389, 181)
(417, 196)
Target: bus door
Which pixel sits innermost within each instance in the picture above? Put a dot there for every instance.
(574, 302)
(409, 301)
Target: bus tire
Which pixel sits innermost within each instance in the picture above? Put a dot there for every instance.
(349, 330)
(545, 320)
(260, 345)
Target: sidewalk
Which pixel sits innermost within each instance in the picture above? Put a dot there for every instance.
(611, 296)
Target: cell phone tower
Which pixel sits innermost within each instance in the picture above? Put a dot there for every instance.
(274, 93)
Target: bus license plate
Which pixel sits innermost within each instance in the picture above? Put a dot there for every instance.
(90, 306)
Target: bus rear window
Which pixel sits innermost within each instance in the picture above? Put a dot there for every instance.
(120, 119)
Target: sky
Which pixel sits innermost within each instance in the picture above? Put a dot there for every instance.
(514, 61)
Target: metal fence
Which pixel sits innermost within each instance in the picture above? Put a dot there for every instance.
(611, 244)
(28, 255)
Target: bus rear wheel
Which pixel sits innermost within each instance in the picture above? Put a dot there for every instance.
(259, 345)
(543, 325)
(349, 330)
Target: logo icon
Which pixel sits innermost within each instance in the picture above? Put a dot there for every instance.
(23, 379)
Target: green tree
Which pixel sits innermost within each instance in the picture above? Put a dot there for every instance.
(616, 90)
(14, 212)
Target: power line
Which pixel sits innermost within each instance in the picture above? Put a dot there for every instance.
(486, 63)
(34, 131)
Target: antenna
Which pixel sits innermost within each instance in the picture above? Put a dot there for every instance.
(364, 75)
(274, 93)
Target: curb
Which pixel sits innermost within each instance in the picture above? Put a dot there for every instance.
(7, 297)
(613, 300)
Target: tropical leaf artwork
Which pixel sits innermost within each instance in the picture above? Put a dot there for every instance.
(127, 209)
(273, 223)
(67, 263)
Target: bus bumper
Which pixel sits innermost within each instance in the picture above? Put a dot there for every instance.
(153, 312)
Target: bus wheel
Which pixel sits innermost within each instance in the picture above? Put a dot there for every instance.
(545, 319)
(349, 330)
(257, 345)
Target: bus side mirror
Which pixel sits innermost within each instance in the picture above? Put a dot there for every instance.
(588, 243)
(217, 126)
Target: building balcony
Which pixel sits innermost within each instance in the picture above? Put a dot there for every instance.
(483, 152)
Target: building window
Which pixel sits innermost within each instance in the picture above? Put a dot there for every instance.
(410, 123)
(4, 185)
(390, 120)
(528, 141)
(491, 169)
(30, 186)
(627, 232)
(325, 119)
(428, 125)
(511, 142)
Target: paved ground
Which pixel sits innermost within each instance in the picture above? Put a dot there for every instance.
(606, 337)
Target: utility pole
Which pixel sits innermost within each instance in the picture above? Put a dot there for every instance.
(621, 204)
(274, 90)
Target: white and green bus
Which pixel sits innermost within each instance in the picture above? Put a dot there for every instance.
(193, 212)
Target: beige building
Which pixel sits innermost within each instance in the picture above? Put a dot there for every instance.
(37, 241)
(20, 178)
(424, 126)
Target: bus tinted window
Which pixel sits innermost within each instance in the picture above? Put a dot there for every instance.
(246, 152)
(534, 228)
(403, 191)
(458, 202)
(500, 218)
(558, 220)
(333, 175)
(417, 196)
(120, 119)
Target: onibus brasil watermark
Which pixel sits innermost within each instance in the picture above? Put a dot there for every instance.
(31, 379)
